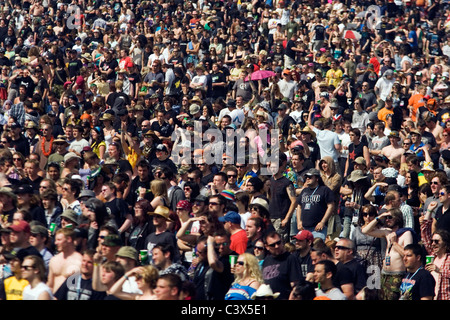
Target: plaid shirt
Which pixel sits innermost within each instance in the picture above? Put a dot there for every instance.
(443, 282)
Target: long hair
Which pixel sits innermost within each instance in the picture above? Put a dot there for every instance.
(159, 188)
(251, 269)
(38, 264)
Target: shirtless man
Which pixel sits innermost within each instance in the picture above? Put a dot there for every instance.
(66, 262)
(394, 150)
(386, 226)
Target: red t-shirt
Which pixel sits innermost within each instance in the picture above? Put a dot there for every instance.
(239, 241)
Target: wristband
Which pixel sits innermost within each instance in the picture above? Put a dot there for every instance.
(125, 276)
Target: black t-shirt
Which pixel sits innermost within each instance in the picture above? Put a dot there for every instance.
(279, 199)
(83, 291)
(110, 65)
(279, 272)
(164, 238)
(313, 204)
(320, 32)
(305, 264)
(21, 145)
(289, 52)
(219, 91)
(353, 153)
(443, 219)
(417, 285)
(359, 274)
(217, 283)
(343, 276)
(134, 193)
(117, 209)
(74, 67)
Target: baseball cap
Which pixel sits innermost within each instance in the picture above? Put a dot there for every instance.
(19, 226)
(25, 189)
(304, 235)
(161, 147)
(231, 216)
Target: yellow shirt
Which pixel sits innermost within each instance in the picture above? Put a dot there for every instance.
(334, 77)
(14, 288)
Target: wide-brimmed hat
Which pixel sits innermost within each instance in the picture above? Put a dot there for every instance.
(107, 116)
(71, 155)
(194, 108)
(71, 215)
(127, 252)
(161, 211)
(307, 129)
(61, 139)
(265, 291)
(357, 175)
(9, 192)
(260, 202)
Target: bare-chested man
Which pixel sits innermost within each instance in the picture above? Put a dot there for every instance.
(387, 225)
(66, 262)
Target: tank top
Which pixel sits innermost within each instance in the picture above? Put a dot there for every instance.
(239, 292)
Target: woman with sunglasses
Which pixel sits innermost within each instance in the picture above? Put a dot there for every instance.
(247, 278)
(368, 248)
(142, 225)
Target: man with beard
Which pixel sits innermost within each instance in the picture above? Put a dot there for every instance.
(280, 269)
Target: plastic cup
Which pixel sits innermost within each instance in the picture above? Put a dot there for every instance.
(429, 259)
(144, 255)
(233, 259)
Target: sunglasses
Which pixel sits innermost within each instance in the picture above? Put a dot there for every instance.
(342, 248)
(217, 245)
(434, 241)
(27, 267)
(231, 175)
(435, 182)
(442, 193)
(259, 248)
(214, 203)
(273, 245)
(241, 263)
(389, 218)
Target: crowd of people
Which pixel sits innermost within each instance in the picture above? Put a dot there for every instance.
(105, 193)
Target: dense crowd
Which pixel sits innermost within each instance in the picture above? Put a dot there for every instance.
(224, 150)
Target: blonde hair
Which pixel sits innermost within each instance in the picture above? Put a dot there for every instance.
(251, 269)
(150, 275)
(159, 188)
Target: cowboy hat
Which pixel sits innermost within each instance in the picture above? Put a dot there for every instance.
(263, 291)
(307, 129)
(107, 116)
(161, 211)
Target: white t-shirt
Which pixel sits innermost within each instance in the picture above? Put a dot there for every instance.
(34, 293)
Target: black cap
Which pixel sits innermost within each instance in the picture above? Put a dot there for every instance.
(24, 189)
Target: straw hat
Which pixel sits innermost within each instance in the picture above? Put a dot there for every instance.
(107, 116)
(162, 211)
(307, 129)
